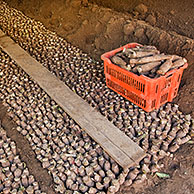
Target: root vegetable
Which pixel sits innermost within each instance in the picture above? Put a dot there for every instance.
(116, 184)
(101, 173)
(88, 181)
(147, 66)
(178, 63)
(99, 186)
(139, 54)
(96, 167)
(145, 168)
(69, 183)
(5, 163)
(89, 170)
(120, 62)
(107, 165)
(101, 161)
(128, 182)
(148, 47)
(110, 174)
(106, 182)
(92, 190)
(17, 172)
(174, 147)
(24, 180)
(30, 190)
(6, 190)
(115, 168)
(145, 48)
(75, 187)
(121, 178)
(165, 67)
(181, 133)
(31, 179)
(35, 185)
(185, 139)
(13, 167)
(97, 177)
(133, 173)
(83, 188)
(149, 59)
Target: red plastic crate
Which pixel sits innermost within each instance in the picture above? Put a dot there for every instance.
(147, 93)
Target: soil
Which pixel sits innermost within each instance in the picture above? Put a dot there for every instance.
(98, 26)
(171, 15)
(180, 167)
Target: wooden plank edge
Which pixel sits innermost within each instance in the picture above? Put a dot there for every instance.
(141, 154)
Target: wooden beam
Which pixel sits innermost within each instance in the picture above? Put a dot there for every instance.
(120, 147)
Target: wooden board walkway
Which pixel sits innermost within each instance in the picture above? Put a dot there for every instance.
(120, 147)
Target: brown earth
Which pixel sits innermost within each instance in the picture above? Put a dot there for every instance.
(180, 167)
(171, 15)
(97, 28)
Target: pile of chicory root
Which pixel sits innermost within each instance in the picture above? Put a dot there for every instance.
(147, 60)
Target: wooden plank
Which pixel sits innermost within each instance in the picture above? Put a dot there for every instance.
(120, 147)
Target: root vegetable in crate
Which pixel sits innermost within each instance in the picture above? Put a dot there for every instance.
(119, 61)
(138, 53)
(148, 66)
(146, 60)
(143, 75)
(178, 62)
(165, 66)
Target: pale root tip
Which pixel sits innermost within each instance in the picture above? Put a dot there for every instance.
(160, 72)
(185, 60)
(139, 69)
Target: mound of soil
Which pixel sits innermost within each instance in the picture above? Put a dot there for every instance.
(170, 15)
